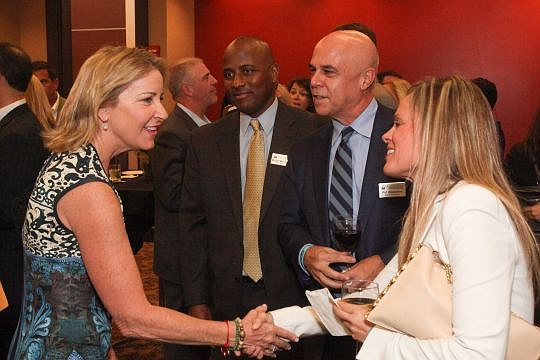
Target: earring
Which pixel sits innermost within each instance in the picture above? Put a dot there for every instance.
(105, 126)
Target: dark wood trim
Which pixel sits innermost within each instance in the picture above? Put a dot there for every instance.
(58, 25)
(141, 23)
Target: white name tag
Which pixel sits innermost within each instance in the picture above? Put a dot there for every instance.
(278, 159)
(391, 190)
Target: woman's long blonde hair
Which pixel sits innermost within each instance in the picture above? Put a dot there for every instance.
(458, 141)
(37, 101)
(102, 78)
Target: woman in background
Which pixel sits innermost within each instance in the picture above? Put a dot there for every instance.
(300, 90)
(79, 268)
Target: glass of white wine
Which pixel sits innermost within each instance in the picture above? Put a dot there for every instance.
(359, 292)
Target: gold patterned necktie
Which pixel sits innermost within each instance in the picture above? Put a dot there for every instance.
(256, 168)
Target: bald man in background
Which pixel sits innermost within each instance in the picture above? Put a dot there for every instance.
(344, 67)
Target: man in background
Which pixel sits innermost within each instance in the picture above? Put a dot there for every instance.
(231, 197)
(337, 171)
(489, 89)
(21, 156)
(50, 81)
(194, 90)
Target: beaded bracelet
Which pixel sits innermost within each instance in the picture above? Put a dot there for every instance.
(240, 335)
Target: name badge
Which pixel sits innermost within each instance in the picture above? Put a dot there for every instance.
(392, 190)
(278, 159)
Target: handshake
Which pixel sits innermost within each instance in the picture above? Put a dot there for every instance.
(257, 336)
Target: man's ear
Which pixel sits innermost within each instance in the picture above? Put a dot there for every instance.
(187, 89)
(274, 69)
(368, 78)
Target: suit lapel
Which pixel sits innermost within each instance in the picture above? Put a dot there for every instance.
(319, 176)
(375, 162)
(229, 149)
(282, 138)
(187, 121)
(13, 114)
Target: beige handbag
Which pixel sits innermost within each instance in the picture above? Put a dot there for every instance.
(425, 291)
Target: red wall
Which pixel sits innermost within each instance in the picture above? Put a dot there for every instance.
(495, 39)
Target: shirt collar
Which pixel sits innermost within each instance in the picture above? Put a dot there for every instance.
(7, 109)
(363, 124)
(266, 119)
(54, 108)
(198, 120)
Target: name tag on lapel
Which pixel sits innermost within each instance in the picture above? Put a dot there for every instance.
(278, 159)
(392, 190)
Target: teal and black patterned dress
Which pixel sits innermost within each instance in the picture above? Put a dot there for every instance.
(62, 317)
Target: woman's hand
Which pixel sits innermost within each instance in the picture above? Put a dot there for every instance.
(263, 338)
(352, 317)
(532, 212)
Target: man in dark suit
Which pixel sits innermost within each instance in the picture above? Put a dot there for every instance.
(344, 66)
(223, 275)
(21, 157)
(193, 88)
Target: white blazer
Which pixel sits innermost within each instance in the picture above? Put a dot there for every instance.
(490, 279)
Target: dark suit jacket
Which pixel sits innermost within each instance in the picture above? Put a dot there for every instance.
(304, 217)
(168, 158)
(21, 156)
(211, 216)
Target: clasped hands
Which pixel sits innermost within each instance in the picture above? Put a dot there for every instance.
(263, 338)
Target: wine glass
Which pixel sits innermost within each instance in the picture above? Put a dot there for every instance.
(346, 232)
(359, 292)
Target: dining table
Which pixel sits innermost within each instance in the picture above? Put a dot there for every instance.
(136, 192)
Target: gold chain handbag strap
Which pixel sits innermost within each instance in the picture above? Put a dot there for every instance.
(446, 267)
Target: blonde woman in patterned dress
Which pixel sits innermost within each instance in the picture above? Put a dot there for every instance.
(79, 268)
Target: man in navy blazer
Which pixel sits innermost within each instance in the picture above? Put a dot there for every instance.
(344, 67)
(21, 156)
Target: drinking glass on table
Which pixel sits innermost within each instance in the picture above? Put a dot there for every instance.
(115, 172)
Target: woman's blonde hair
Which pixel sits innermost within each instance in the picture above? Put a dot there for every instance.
(37, 101)
(102, 78)
(458, 141)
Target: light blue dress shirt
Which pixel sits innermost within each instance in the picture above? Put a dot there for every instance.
(359, 144)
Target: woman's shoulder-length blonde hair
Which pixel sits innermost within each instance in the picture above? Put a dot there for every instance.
(101, 79)
(458, 141)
